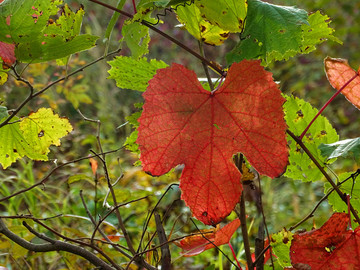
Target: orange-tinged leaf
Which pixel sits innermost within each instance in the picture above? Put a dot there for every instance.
(94, 165)
(114, 238)
(330, 247)
(182, 123)
(339, 73)
(196, 244)
(7, 53)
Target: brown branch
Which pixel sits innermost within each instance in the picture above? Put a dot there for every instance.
(180, 44)
(311, 214)
(328, 178)
(46, 178)
(54, 245)
(165, 251)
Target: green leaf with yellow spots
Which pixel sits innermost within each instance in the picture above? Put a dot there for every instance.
(227, 14)
(190, 17)
(316, 32)
(39, 38)
(31, 136)
(298, 114)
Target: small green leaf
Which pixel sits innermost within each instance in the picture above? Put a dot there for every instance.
(344, 148)
(351, 187)
(134, 74)
(316, 32)
(271, 33)
(280, 244)
(298, 114)
(200, 28)
(227, 14)
(137, 38)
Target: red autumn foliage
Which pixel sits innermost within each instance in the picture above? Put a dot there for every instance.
(330, 247)
(7, 53)
(339, 73)
(196, 244)
(182, 123)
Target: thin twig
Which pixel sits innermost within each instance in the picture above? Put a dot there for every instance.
(311, 214)
(326, 104)
(206, 70)
(148, 220)
(328, 178)
(98, 229)
(54, 245)
(265, 224)
(79, 242)
(46, 178)
(242, 216)
(165, 251)
(33, 95)
(180, 44)
(211, 242)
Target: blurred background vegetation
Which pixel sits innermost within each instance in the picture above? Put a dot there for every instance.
(285, 201)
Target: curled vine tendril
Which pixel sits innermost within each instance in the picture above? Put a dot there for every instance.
(167, 10)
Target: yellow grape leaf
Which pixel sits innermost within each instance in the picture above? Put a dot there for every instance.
(44, 128)
(13, 145)
(31, 136)
(190, 17)
(247, 175)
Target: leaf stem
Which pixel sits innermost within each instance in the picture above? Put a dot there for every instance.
(326, 104)
(201, 48)
(134, 6)
(328, 178)
(180, 44)
(233, 253)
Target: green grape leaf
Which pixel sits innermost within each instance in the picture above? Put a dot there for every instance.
(130, 142)
(298, 114)
(134, 74)
(29, 26)
(272, 33)
(344, 148)
(351, 187)
(136, 35)
(44, 128)
(280, 245)
(31, 136)
(201, 29)
(316, 32)
(227, 14)
(14, 145)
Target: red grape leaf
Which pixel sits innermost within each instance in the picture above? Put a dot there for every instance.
(339, 73)
(7, 53)
(330, 247)
(195, 244)
(182, 123)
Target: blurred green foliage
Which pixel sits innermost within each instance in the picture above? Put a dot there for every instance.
(285, 202)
